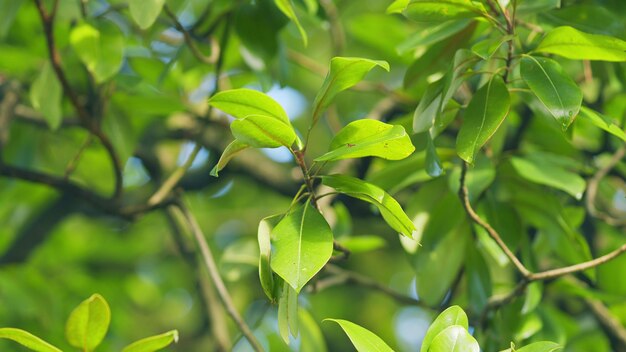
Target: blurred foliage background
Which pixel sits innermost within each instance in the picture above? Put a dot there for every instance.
(148, 97)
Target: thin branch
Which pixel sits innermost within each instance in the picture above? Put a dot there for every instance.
(214, 274)
(337, 34)
(592, 189)
(609, 323)
(209, 60)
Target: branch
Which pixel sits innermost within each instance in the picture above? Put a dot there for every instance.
(592, 189)
(209, 60)
(214, 274)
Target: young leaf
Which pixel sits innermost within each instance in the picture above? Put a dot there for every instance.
(432, 35)
(286, 6)
(288, 313)
(486, 111)
(153, 343)
(362, 339)
(454, 339)
(442, 10)
(389, 208)
(603, 122)
(544, 172)
(231, 150)
(344, 73)
(428, 107)
(554, 88)
(46, 95)
(27, 340)
(310, 333)
(303, 243)
(541, 346)
(260, 131)
(366, 137)
(243, 102)
(88, 323)
(101, 49)
(145, 12)
(265, 271)
(573, 44)
(453, 316)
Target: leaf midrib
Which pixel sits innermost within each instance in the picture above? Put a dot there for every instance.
(549, 80)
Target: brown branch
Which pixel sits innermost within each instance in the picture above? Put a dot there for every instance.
(592, 189)
(609, 323)
(211, 266)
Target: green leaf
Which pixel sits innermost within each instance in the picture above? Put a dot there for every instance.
(454, 339)
(153, 343)
(311, 334)
(100, 48)
(486, 111)
(603, 122)
(243, 102)
(145, 12)
(88, 323)
(362, 339)
(486, 48)
(8, 11)
(542, 346)
(573, 44)
(361, 244)
(231, 150)
(344, 73)
(432, 35)
(428, 107)
(260, 131)
(288, 313)
(442, 10)
(46, 95)
(27, 340)
(266, 275)
(303, 244)
(554, 88)
(362, 138)
(286, 6)
(544, 172)
(389, 208)
(434, 168)
(397, 6)
(453, 316)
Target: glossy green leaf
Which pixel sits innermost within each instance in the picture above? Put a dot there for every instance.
(100, 48)
(535, 6)
(434, 168)
(453, 316)
(286, 6)
(303, 244)
(46, 95)
(486, 111)
(362, 138)
(153, 343)
(554, 88)
(442, 10)
(428, 107)
(454, 339)
(603, 122)
(544, 172)
(573, 44)
(288, 313)
(587, 18)
(261, 131)
(145, 12)
(231, 150)
(542, 346)
(88, 323)
(389, 208)
(243, 102)
(432, 35)
(27, 340)
(362, 339)
(266, 275)
(344, 73)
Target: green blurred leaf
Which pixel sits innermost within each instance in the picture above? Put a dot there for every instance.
(478, 280)
(452, 316)
(288, 313)
(361, 244)
(302, 244)
(432, 35)
(145, 12)
(310, 332)
(266, 276)
(389, 208)
(573, 44)
(554, 88)
(542, 346)
(362, 138)
(344, 73)
(362, 339)
(27, 340)
(231, 150)
(454, 339)
(286, 6)
(153, 343)
(434, 168)
(442, 10)
(8, 11)
(88, 323)
(603, 122)
(46, 95)
(100, 48)
(546, 173)
(486, 111)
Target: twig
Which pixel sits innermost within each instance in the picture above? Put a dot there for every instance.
(592, 189)
(209, 60)
(609, 323)
(222, 291)
(337, 35)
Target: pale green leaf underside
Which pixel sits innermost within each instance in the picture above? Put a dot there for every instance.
(362, 339)
(153, 343)
(603, 122)
(543, 172)
(286, 6)
(27, 340)
(231, 150)
(145, 12)
(454, 339)
(88, 323)
(266, 276)
(364, 138)
(573, 44)
(262, 131)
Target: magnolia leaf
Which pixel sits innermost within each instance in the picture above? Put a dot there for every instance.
(573, 44)
(362, 339)
(88, 323)
(454, 339)
(453, 316)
